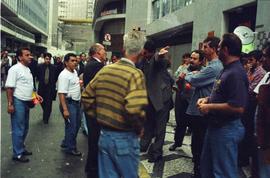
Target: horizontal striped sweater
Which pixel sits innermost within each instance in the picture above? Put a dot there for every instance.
(116, 96)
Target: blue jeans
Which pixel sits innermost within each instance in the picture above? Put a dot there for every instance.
(118, 154)
(84, 123)
(72, 125)
(19, 126)
(264, 169)
(220, 149)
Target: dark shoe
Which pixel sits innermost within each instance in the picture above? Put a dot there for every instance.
(27, 153)
(74, 153)
(85, 133)
(21, 159)
(173, 147)
(45, 121)
(154, 159)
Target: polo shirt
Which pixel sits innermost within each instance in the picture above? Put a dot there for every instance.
(231, 87)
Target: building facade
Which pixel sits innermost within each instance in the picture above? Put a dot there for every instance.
(24, 23)
(75, 18)
(183, 24)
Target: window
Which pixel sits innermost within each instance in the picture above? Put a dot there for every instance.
(165, 7)
(177, 4)
(156, 9)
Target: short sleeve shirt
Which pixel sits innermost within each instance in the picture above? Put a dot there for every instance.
(69, 84)
(231, 86)
(265, 80)
(20, 78)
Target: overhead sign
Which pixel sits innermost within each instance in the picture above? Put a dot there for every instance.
(107, 37)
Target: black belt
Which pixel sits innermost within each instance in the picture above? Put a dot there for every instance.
(70, 100)
(106, 128)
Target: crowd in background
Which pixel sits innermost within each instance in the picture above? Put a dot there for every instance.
(221, 95)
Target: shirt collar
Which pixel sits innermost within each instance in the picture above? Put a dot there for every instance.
(97, 59)
(213, 61)
(128, 60)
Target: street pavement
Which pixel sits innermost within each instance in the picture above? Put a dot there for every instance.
(48, 161)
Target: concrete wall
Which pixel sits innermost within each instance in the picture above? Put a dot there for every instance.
(137, 14)
(176, 53)
(262, 23)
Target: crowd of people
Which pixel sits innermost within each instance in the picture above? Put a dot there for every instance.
(221, 95)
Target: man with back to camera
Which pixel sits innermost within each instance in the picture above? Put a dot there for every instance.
(116, 98)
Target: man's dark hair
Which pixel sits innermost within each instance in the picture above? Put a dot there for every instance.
(20, 51)
(82, 54)
(67, 56)
(201, 54)
(186, 55)
(150, 46)
(256, 54)
(233, 43)
(47, 55)
(244, 58)
(214, 42)
(266, 47)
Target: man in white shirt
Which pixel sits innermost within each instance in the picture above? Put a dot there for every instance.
(69, 92)
(20, 87)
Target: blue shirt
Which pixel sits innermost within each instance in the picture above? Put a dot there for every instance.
(230, 87)
(203, 82)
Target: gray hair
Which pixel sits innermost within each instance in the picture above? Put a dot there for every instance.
(95, 48)
(133, 42)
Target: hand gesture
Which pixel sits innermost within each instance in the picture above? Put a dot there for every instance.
(163, 51)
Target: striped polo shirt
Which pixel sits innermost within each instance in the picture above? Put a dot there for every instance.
(116, 93)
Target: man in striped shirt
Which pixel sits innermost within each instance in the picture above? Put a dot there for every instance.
(116, 97)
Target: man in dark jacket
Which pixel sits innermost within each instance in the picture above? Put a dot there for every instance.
(159, 89)
(97, 55)
(46, 75)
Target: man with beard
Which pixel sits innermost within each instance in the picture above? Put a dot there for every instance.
(224, 109)
(203, 81)
(183, 95)
(46, 75)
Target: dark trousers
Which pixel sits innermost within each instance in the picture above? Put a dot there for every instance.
(180, 108)
(155, 127)
(246, 150)
(91, 167)
(46, 107)
(198, 127)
